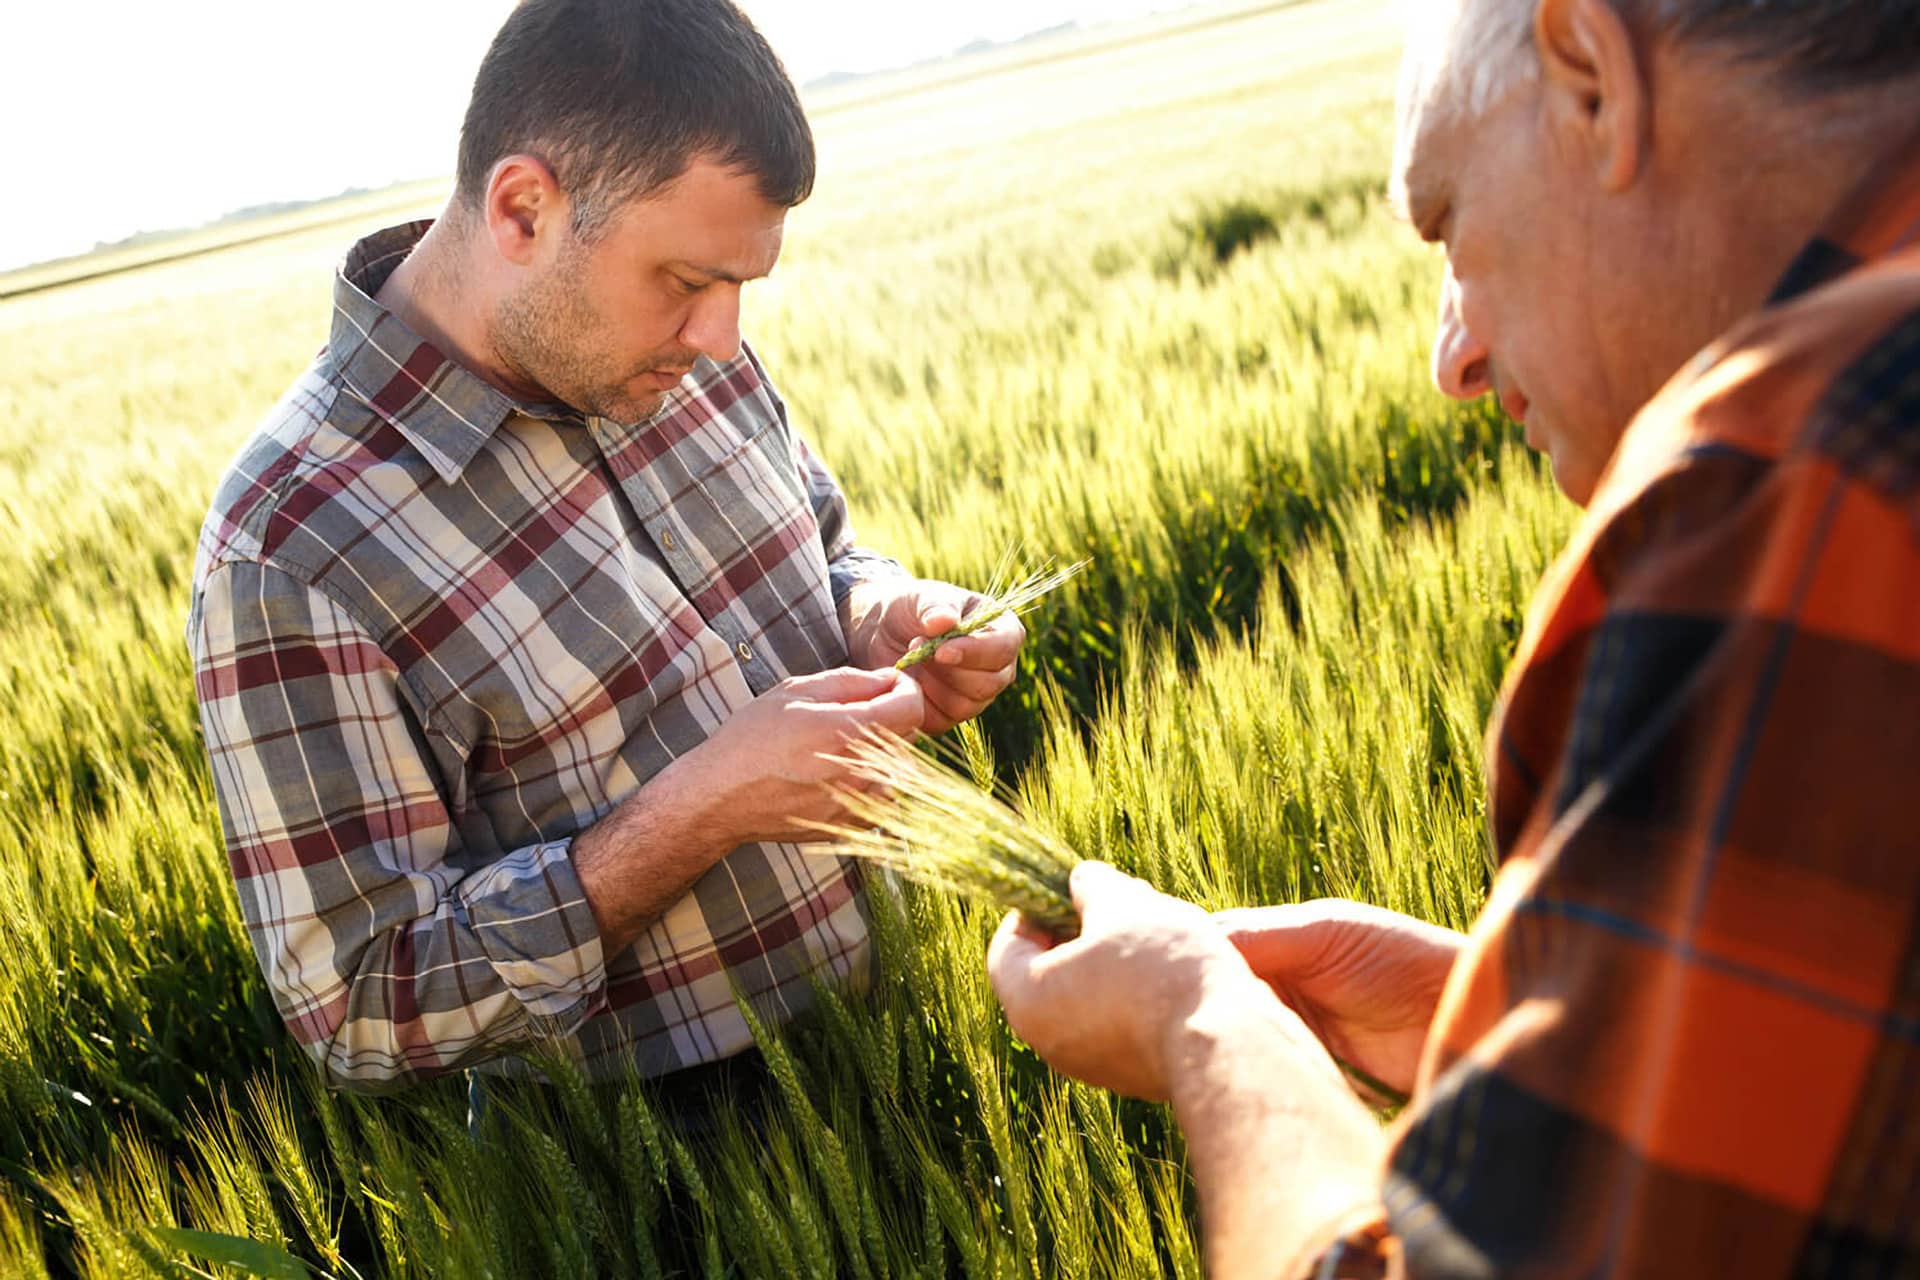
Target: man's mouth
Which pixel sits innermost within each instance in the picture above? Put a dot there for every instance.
(665, 379)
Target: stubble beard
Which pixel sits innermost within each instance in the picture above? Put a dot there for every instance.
(546, 336)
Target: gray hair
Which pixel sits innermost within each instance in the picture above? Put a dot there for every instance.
(1462, 54)
(1815, 47)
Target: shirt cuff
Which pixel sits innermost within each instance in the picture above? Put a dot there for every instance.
(529, 914)
(857, 565)
(1362, 1247)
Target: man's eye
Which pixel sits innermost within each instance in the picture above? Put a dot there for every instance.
(687, 287)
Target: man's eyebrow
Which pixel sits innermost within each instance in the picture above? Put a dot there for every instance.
(1406, 194)
(1414, 202)
(711, 273)
(1400, 201)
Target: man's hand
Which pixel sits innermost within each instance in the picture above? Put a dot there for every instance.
(1153, 1000)
(886, 617)
(771, 769)
(1110, 1006)
(763, 775)
(1365, 979)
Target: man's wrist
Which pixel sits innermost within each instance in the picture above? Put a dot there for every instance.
(855, 607)
(1258, 1096)
(1231, 1010)
(674, 822)
(701, 808)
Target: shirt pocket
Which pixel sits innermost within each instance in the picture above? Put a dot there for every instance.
(750, 508)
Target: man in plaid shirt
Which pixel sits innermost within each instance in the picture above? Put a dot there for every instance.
(1683, 1039)
(524, 624)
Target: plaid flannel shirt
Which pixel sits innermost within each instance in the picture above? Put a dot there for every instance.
(436, 633)
(1684, 1039)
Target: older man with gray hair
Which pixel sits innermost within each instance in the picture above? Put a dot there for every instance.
(1683, 248)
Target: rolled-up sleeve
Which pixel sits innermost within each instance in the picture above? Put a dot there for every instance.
(388, 962)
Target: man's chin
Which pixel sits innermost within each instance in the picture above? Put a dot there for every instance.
(1575, 478)
(1575, 470)
(630, 410)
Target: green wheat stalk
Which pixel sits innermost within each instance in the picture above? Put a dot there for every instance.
(942, 830)
(1004, 595)
(937, 828)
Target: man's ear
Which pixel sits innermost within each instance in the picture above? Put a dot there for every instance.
(522, 205)
(1595, 84)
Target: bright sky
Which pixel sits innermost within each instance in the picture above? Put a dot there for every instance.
(127, 115)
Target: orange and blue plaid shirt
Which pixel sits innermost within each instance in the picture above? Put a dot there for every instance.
(1684, 1038)
(436, 633)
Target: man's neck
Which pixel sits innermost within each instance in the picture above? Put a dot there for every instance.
(1749, 179)
(438, 293)
(1795, 161)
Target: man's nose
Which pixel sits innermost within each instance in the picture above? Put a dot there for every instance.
(1461, 367)
(713, 326)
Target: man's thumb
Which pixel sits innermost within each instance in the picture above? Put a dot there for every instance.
(1095, 882)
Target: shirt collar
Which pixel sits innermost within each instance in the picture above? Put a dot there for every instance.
(1880, 218)
(445, 411)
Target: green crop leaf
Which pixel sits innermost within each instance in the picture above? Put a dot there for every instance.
(255, 1257)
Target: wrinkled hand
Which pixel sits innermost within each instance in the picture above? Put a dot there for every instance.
(769, 769)
(888, 616)
(1364, 979)
(1108, 1006)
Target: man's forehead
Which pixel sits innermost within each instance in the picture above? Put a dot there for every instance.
(1463, 57)
(715, 222)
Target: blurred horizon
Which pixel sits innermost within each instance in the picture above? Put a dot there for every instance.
(166, 126)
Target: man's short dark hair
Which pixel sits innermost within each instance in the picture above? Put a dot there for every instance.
(1816, 45)
(619, 96)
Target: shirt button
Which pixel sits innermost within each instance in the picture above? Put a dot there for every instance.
(745, 651)
(666, 540)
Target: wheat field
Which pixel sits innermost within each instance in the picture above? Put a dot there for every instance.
(1141, 304)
